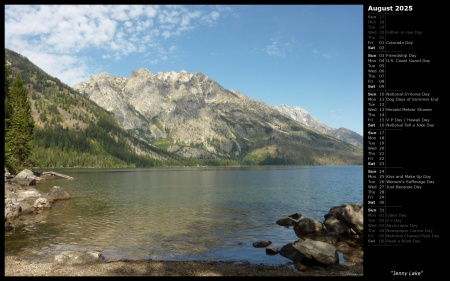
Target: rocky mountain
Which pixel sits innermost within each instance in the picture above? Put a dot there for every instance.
(191, 115)
(301, 115)
(164, 119)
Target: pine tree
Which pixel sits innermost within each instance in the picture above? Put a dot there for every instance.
(19, 126)
(7, 109)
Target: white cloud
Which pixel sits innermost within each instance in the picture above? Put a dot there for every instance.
(211, 18)
(59, 38)
(273, 49)
(277, 47)
(188, 17)
(321, 54)
(69, 68)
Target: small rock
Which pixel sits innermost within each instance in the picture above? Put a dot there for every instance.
(261, 244)
(301, 267)
(286, 222)
(271, 250)
(296, 216)
(73, 257)
(288, 267)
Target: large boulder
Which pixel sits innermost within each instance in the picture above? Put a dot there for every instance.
(288, 251)
(57, 193)
(354, 216)
(12, 209)
(350, 253)
(306, 226)
(26, 174)
(340, 232)
(23, 181)
(347, 219)
(310, 252)
(42, 203)
(25, 177)
(28, 195)
(334, 225)
(26, 198)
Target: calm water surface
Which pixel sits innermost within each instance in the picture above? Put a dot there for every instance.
(183, 213)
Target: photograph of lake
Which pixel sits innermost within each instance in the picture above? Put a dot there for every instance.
(183, 213)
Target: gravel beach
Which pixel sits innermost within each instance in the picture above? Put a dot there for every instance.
(16, 266)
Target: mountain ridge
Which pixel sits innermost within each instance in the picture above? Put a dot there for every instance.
(167, 118)
(203, 118)
(303, 116)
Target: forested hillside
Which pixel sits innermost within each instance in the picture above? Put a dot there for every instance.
(72, 131)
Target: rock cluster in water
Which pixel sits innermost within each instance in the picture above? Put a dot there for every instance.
(22, 198)
(321, 242)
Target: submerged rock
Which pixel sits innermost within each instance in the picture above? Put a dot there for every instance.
(261, 244)
(74, 257)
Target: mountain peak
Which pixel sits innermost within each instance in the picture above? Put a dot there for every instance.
(182, 76)
(104, 75)
(141, 72)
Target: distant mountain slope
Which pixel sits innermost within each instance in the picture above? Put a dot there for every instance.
(191, 115)
(304, 117)
(71, 130)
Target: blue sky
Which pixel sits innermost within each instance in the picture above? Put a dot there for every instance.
(309, 56)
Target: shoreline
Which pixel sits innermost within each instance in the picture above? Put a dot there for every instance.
(26, 266)
(17, 266)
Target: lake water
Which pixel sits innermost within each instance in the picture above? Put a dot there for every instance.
(196, 213)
